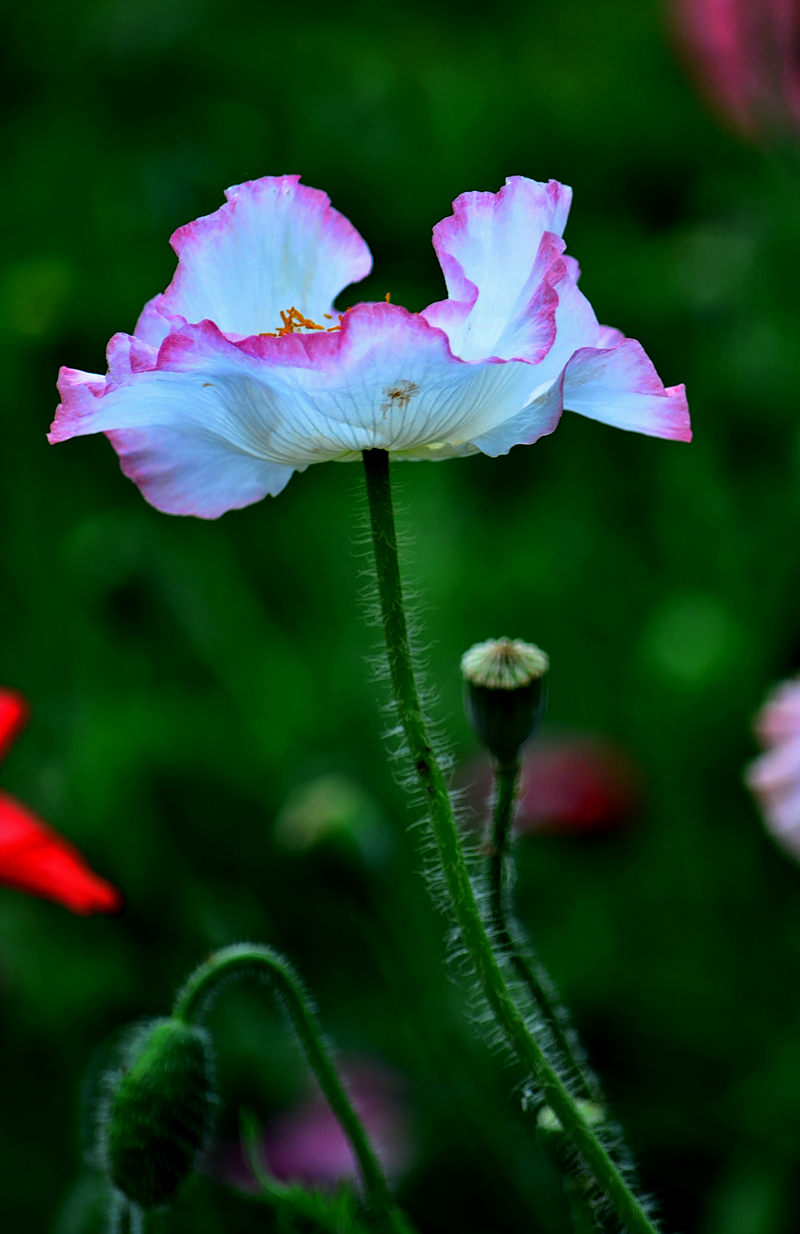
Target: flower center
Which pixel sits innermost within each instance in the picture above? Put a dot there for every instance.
(294, 321)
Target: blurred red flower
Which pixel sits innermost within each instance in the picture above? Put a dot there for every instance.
(571, 784)
(32, 857)
(746, 57)
(576, 784)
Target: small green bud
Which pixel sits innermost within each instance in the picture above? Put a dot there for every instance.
(160, 1111)
(505, 693)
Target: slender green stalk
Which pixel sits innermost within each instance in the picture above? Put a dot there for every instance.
(252, 960)
(453, 863)
(270, 1187)
(533, 977)
(335, 1212)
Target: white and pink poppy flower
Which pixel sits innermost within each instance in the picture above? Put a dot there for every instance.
(774, 777)
(243, 372)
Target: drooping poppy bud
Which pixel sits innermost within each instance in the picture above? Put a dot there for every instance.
(160, 1111)
(505, 693)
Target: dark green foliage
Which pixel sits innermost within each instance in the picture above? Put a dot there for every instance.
(87, 1206)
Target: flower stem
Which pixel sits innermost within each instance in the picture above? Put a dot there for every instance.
(531, 974)
(246, 960)
(324, 1211)
(453, 863)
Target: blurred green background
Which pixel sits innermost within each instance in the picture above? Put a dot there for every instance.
(189, 679)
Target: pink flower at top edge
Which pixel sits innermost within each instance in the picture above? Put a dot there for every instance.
(32, 857)
(242, 372)
(746, 57)
(774, 777)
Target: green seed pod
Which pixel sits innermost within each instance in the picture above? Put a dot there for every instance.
(160, 1111)
(505, 693)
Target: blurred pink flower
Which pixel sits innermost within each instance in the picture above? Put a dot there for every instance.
(307, 1145)
(774, 777)
(571, 784)
(746, 57)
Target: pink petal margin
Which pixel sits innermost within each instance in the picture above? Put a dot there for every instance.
(619, 386)
(478, 217)
(227, 267)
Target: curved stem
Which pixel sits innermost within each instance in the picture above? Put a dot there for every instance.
(252, 960)
(332, 1212)
(453, 863)
(533, 977)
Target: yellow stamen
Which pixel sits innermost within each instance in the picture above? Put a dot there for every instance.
(293, 320)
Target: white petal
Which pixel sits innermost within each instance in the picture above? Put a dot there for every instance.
(536, 420)
(274, 245)
(182, 470)
(387, 380)
(501, 254)
(619, 386)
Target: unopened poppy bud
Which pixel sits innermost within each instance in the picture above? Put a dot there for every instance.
(160, 1112)
(505, 693)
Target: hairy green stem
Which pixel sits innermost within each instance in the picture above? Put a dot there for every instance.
(247, 960)
(453, 863)
(532, 975)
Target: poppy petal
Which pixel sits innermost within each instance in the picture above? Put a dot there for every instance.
(35, 859)
(13, 715)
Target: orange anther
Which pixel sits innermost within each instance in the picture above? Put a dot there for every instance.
(294, 320)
